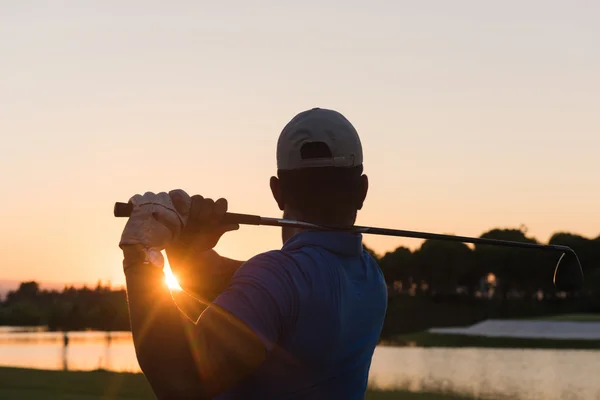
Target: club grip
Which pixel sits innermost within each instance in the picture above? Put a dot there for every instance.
(125, 209)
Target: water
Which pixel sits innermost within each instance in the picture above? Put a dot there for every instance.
(85, 350)
(527, 374)
(489, 373)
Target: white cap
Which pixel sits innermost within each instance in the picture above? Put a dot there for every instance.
(319, 125)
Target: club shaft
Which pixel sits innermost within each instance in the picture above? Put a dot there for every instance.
(412, 234)
(125, 209)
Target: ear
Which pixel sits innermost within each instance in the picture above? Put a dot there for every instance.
(276, 190)
(365, 189)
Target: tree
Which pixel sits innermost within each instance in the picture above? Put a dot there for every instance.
(446, 265)
(26, 291)
(517, 269)
(398, 265)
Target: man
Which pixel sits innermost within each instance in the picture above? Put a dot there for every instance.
(297, 323)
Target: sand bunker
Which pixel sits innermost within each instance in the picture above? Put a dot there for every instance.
(529, 329)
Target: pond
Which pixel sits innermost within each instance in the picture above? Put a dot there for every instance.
(525, 374)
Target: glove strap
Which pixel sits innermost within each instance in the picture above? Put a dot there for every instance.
(138, 256)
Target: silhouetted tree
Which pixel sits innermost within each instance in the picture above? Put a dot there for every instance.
(515, 268)
(399, 265)
(26, 291)
(447, 265)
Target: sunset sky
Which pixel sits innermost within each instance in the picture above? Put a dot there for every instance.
(472, 115)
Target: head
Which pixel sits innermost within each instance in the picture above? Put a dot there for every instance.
(319, 169)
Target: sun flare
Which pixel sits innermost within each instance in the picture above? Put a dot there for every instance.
(170, 279)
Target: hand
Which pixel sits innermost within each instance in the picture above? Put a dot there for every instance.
(203, 228)
(153, 224)
(190, 256)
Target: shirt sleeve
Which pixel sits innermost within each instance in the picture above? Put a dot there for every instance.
(263, 294)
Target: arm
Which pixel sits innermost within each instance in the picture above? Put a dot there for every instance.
(200, 270)
(179, 358)
(202, 274)
(201, 280)
(183, 360)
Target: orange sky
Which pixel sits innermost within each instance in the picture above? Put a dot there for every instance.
(472, 116)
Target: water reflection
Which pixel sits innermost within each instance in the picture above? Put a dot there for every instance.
(496, 373)
(525, 374)
(81, 351)
(64, 351)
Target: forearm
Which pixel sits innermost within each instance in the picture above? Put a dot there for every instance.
(190, 306)
(223, 270)
(203, 275)
(160, 332)
(180, 359)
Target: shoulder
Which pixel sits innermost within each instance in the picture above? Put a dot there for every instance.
(375, 272)
(271, 262)
(268, 261)
(270, 270)
(272, 256)
(369, 259)
(263, 295)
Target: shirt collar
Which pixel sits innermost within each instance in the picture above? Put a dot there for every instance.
(344, 243)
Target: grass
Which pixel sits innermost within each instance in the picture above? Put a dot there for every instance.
(17, 383)
(427, 339)
(570, 318)
(27, 384)
(397, 395)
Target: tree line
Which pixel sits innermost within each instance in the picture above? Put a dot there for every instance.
(451, 271)
(443, 284)
(99, 308)
(444, 267)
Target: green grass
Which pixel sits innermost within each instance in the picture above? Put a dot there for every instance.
(570, 317)
(28, 384)
(16, 383)
(426, 339)
(397, 395)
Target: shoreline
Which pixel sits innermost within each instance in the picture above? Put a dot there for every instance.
(559, 332)
(445, 340)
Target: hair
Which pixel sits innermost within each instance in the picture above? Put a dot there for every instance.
(322, 195)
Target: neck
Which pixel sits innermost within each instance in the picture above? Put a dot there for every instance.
(288, 232)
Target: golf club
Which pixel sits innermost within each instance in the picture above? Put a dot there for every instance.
(568, 274)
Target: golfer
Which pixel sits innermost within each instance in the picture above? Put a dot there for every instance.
(301, 322)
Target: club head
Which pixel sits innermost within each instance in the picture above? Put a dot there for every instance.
(568, 275)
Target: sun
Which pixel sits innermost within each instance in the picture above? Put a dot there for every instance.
(170, 279)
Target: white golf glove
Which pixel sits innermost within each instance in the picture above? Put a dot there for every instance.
(154, 223)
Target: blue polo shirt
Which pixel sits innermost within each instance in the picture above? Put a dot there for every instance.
(318, 305)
